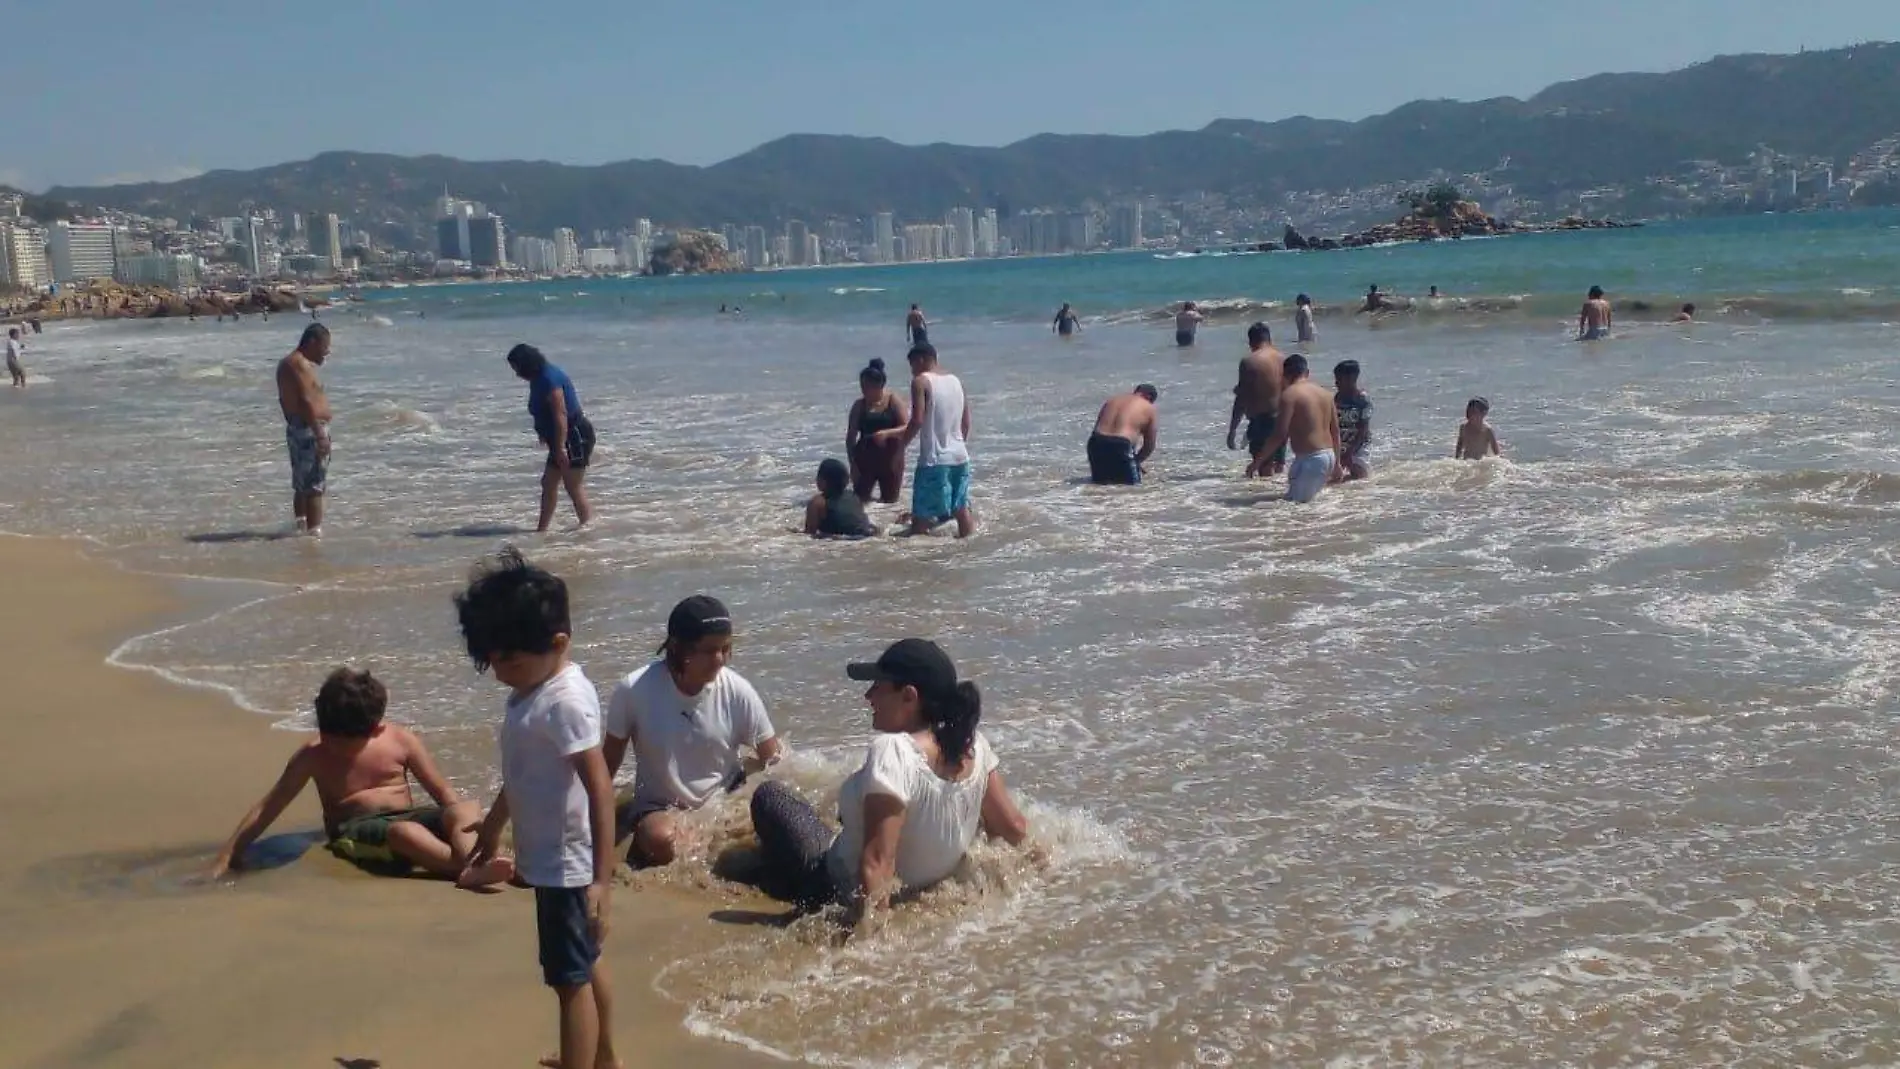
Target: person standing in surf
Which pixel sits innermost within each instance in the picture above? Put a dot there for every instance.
(1067, 322)
(940, 423)
(306, 425)
(1257, 398)
(1186, 322)
(1309, 424)
(555, 406)
(1303, 319)
(15, 347)
(876, 463)
(916, 329)
(1124, 421)
(1593, 322)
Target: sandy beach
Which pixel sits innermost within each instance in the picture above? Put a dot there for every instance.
(118, 787)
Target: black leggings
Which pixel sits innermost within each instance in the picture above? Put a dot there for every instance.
(794, 842)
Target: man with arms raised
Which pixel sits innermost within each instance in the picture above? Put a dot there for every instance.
(686, 716)
(306, 424)
(1113, 458)
(1257, 397)
(1310, 424)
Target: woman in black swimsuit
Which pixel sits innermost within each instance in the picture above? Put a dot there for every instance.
(875, 464)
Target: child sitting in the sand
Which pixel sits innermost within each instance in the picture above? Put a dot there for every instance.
(362, 767)
(834, 511)
(1476, 439)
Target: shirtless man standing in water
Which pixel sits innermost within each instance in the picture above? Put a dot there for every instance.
(306, 425)
(1114, 458)
(1309, 422)
(1593, 323)
(1257, 397)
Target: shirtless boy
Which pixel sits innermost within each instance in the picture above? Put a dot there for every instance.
(1593, 322)
(306, 425)
(1476, 439)
(1308, 423)
(1257, 397)
(1123, 421)
(361, 767)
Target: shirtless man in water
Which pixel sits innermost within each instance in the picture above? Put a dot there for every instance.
(306, 425)
(1257, 397)
(1310, 424)
(1593, 322)
(1124, 420)
(916, 328)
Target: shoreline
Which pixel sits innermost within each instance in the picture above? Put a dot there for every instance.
(121, 784)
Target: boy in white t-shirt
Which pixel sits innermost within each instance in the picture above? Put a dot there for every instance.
(555, 786)
(687, 718)
(15, 347)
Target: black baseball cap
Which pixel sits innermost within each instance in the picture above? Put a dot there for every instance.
(696, 617)
(911, 662)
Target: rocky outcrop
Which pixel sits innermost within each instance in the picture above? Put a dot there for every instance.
(692, 252)
(1293, 240)
(1460, 220)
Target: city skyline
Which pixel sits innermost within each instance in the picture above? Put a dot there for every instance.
(1078, 69)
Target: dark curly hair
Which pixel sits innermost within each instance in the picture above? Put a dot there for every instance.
(350, 704)
(511, 606)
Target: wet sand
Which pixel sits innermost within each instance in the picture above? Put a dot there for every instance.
(117, 786)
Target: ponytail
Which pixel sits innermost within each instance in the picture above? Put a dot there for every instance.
(953, 719)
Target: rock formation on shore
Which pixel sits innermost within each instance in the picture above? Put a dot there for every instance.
(1438, 216)
(692, 252)
(113, 300)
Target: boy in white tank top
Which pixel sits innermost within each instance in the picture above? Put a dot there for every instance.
(940, 423)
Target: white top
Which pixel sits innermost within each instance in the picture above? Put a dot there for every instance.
(942, 439)
(1303, 321)
(14, 348)
(686, 749)
(554, 832)
(941, 817)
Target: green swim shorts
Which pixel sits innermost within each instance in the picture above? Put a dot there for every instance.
(364, 840)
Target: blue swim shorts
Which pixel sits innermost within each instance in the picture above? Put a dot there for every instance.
(939, 491)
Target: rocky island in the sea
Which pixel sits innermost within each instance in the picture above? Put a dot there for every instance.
(692, 252)
(1442, 212)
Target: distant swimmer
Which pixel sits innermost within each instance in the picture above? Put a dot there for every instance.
(555, 406)
(722, 309)
(1433, 294)
(1375, 301)
(1687, 315)
(1593, 322)
(834, 511)
(1186, 322)
(1303, 319)
(15, 349)
(1354, 409)
(1476, 439)
(1309, 425)
(876, 463)
(1067, 322)
(1257, 399)
(306, 425)
(1114, 458)
(916, 328)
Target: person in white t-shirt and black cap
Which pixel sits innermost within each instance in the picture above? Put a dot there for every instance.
(928, 785)
(688, 719)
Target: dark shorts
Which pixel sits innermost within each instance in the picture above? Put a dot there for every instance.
(364, 841)
(880, 470)
(1259, 432)
(1112, 461)
(1184, 338)
(580, 444)
(568, 949)
(309, 468)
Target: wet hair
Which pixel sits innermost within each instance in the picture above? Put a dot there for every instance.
(833, 476)
(511, 606)
(1478, 403)
(1346, 369)
(13, 332)
(527, 361)
(953, 718)
(350, 704)
(1302, 299)
(923, 350)
(873, 373)
(1259, 334)
(1147, 390)
(1596, 292)
(1294, 367)
(1688, 309)
(313, 335)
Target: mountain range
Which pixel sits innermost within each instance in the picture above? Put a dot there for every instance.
(1603, 130)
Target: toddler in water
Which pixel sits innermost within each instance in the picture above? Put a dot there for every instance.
(834, 511)
(1476, 439)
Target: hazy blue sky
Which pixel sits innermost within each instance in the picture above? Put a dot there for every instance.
(129, 89)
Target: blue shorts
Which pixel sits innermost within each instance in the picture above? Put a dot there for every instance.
(939, 491)
(568, 949)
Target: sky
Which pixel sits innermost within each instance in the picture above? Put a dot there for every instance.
(130, 90)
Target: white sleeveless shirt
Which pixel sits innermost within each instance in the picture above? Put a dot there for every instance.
(942, 439)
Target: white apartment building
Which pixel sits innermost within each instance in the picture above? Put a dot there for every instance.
(81, 252)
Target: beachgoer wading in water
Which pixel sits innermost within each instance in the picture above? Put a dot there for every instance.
(876, 462)
(306, 425)
(1186, 322)
(916, 330)
(1593, 322)
(1067, 322)
(1123, 421)
(1308, 423)
(555, 406)
(1257, 399)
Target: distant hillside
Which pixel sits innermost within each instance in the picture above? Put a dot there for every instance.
(1606, 129)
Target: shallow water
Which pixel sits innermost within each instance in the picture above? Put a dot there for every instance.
(1580, 756)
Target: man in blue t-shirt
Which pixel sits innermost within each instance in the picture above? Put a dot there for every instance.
(555, 406)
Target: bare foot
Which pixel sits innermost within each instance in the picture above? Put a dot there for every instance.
(485, 876)
(553, 1061)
